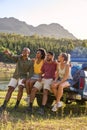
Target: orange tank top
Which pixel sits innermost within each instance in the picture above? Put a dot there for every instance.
(37, 67)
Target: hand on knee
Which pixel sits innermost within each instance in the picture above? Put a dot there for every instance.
(53, 86)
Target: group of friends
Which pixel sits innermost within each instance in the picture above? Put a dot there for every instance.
(41, 72)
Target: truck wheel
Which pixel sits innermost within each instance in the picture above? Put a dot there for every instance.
(49, 101)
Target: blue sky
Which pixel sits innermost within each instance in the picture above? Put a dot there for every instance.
(71, 14)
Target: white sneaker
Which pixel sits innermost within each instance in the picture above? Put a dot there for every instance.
(27, 99)
(54, 108)
(59, 104)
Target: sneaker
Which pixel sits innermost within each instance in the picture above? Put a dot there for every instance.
(27, 99)
(54, 108)
(41, 111)
(59, 104)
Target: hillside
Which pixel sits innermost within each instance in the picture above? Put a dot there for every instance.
(13, 25)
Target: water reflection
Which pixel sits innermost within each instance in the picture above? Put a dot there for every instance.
(4, 85)
(4, 80)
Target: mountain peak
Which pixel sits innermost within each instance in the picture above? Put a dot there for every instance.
(13, 25)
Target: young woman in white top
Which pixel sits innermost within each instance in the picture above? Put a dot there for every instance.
(62, 79)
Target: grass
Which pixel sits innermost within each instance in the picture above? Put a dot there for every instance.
(69, 117)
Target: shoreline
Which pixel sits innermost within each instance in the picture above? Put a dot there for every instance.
(7, 67)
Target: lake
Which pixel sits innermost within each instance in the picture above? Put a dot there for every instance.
(3, 85)
(4, 80)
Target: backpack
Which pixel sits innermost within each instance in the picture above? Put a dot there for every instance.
(76, 78)
(74, 69)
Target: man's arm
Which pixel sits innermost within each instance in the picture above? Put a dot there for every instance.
(10, 55)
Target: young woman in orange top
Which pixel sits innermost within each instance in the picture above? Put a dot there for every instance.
(38, 62)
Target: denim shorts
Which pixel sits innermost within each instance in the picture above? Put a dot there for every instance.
(36, 76)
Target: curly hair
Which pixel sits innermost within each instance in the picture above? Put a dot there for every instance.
(43, 52)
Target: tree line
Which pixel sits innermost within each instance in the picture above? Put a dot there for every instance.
(15, 43)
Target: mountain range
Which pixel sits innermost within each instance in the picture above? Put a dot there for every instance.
(13, 25)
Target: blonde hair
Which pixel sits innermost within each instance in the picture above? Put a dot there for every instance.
(67, 57)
